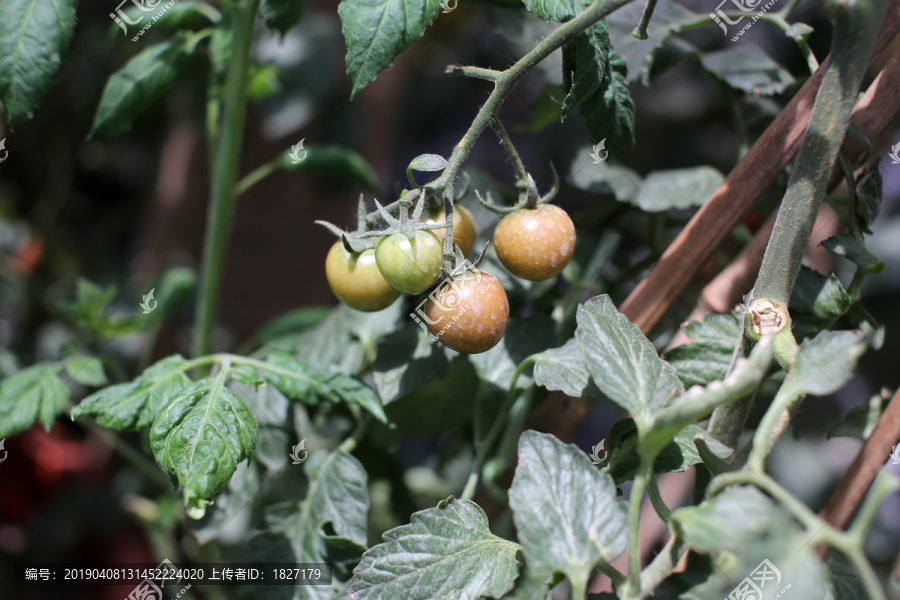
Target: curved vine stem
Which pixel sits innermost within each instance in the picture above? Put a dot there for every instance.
(850, 542)
(506, 81)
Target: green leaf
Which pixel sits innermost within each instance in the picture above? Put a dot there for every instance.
(860, 422)
(521, 32)
(523, 338)
(707, 357)
(443, 550)
(678, 455)
(605, 178)
(305, 383)
(264, 82)
(91, 309)
(377, 31)
(817, 302)
(698, 402)
(561, 528)
(757, 530)
(199, 438)
(683, 453)
(330, 520)
(849, 248)
(219, 50)
(532, 584)
(590, 55)
(86, 370)
(345, 339)
(140, 84)
(408, 359)
(237, 498)
(609, 112)
(545, 110)
(623, 363)
(798, 31)
(135, 404)
(337, 162)
(281, 15)
(845, 583)
(563, 369)
(556, 10)
(869, 192)
(743, 511)
(292, 322)
(428, 162)
(34, 36)
(31, 394)
(182, 14)
(668, 18)
(677, 188)
(435, 407)
(825, 363)
(749, 69)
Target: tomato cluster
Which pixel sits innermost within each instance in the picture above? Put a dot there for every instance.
(470, 313)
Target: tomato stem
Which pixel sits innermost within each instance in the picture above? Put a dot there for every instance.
(224, 176)
(484, 447)
(640, 32)
(856, 24)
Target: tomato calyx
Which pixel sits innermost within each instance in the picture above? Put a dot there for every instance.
(529, 197)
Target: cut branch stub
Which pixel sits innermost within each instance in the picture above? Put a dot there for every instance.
(767, 317)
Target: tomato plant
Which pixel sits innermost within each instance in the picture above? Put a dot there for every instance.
(690, 412)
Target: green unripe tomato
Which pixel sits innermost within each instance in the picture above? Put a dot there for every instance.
(535, 243)
(356, 280)
(412, 265)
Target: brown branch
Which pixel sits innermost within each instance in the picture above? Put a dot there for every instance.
(734, 197)
(859, 477)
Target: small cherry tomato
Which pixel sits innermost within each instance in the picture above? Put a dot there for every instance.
(464, 232)
(468, 314)
(410, 266)
(535, 243)
(356, 280)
